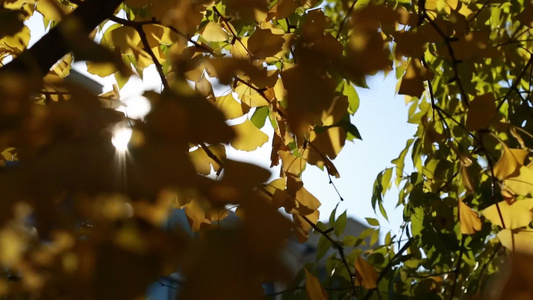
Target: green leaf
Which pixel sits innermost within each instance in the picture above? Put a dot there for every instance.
(322, 247)
(353, 98)
(259, 117)
(340, 224)
(372, 221)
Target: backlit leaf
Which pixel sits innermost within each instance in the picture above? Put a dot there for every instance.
(248, 136)
(314, 290)
(515, 215)
(470, 222)
(366, 275)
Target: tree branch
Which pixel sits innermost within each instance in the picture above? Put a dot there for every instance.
(339, 248)
(53, 46)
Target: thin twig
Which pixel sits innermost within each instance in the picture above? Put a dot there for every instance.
(516, 82)
(233, 33)
(455, 61)
(339, 248)
(386, 269)
(474, 16)
(345, 18)
(138, 26)
(213, 157)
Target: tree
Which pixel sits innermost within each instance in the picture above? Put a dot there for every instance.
(77, 222)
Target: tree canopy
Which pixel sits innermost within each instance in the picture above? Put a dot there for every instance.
(79, 220)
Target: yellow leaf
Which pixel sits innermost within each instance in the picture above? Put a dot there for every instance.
(125, 39)
(292, 164)
(240, 49)
(336, 110)
(522, 183)
(52, 9)
(284, 8)
(329, 142)
(196, 215)
(413, 80)
(509, 163)
(366, 274)
(470, 222)
(467, 181)
(229, 106)
(517, 240)
(250, 96)
(314, 290)
(202, 162)
(248, 137)
(264, 43)
(306, 202)
(248, 10)
(515, 215)
(101, 69)
(481, 112)
(213, 32)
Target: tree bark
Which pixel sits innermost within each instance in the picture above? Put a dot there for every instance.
(52, 47)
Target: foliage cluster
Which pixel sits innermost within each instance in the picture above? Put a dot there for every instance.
(79, 221)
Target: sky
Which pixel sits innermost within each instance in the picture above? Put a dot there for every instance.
(381, 120)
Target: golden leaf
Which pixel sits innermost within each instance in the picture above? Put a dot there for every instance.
(264, 43)
(196, 215)
(202, 162)
(314, 290)
(521, 183)
(248, 137)
(213, 32)
(515, 215)
(519, 240)
(366, 275)
(509, 163)
(102, 69)
(470, 221)
(413, 80)
(229, 106)
(284, 8)
(52, 9)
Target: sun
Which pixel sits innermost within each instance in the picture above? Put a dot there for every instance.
(121, 138)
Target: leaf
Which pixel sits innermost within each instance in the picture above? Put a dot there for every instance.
(229, 106)
(259, 117)
(515, 215)
(519, 240)
(313, 288)
(509, 163)
(521, 183)
(372, 222)
(213, 32)
(202, 162)
(52, 9)
(481, 112)
(413, 81)
(10, 21)
(101, 69)
(264, 43)
(353, 98)
(470, 222)
(366, 274)
(248, 136)
(340, 224)
(284, 8)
